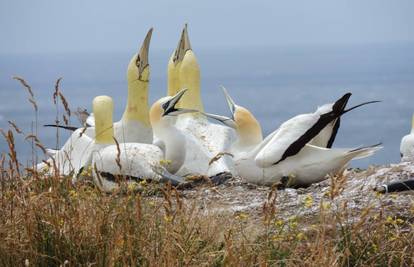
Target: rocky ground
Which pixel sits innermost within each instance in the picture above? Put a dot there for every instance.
(353, 190)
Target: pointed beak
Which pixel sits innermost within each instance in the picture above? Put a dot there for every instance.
(183, 46)
(223, 119)
(230, 101)
(142, 58)
(170, 108)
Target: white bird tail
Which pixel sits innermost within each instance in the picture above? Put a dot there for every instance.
(363, 152)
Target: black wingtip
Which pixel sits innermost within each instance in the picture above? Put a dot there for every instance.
(340, 104)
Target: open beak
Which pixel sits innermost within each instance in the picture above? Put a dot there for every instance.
(170, 108)
(223, 119)
(183, 46)
(142, 58)
(230, 101)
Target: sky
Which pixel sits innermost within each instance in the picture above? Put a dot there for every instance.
(53, 26)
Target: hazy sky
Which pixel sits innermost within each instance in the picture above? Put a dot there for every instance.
(103, 25)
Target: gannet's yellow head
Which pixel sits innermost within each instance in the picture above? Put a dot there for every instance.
(166, 106)
(138, 67)
(103, 108)
(247, 126)
(243, 121)
(174, 63)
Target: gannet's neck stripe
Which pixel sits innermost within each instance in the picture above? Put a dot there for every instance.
(324, 120)
(334, 133)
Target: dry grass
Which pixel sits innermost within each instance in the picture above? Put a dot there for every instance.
(47, 221)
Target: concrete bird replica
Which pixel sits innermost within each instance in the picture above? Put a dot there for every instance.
(134, 125)
(286, 152)
(407, 145)
(136, 160)
(204, 139)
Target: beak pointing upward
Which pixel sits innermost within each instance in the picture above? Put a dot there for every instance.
(183, 46)
(142, 58)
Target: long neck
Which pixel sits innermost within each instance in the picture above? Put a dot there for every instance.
(103, 110)
(190, 78)
(137, 103)
(174, 142)
(173, 76)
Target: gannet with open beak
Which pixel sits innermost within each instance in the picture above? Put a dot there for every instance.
(407, 145)
(204, 139)
(136, 160)
(286, 152)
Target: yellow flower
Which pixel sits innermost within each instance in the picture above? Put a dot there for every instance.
(326, 205)
(242, 216)
(168, 218)
(132, 186)
(300, 236)
(143, 182)
(399, 221)
(390, 220)
(308, 201)
(165, 162)
(73, 194)
(279, 223)
(87, 171)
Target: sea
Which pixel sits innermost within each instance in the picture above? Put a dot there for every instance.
(275, 83)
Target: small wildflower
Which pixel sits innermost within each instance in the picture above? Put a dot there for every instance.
(279, 223)
(300, 236)
(375, 248)
(132, 187)
(165, 162)
(390, 220)
(308, 201)
(242, 216)
(326, 205)
(293, 224)
(399, 221)
(168, 218)
(73, 194)
(277, 238)
(151, 203)
(87, 171)
(143, 182)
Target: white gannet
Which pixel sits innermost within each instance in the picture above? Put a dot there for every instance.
(407, 145)
(134, 125)
(204, 139)
(286, 152)
(137, 160)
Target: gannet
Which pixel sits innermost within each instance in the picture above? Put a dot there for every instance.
(134, 125)
(286, 152)
(137, 160)
(204, 139)
(407, 144)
